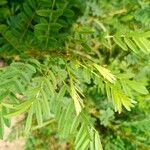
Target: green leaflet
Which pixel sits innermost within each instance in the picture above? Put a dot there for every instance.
(45, 104)
(47, 12)
(81, 140)
(85, 145)
(18, 112)
(138, 87)
(53, 79)
(98, 145)
(108, 91)
(80, 134)
(146, 44)
(61, 120)
(131, 45)
(74, 125)
(140, 44)
(126, 89)
(118, 41)
(85, 30)
(44, 26)
(44, 12)
(92, 145)
(22, 105)
(105, 73)
(120, 99)
(3, 94)
(68, 121)
(29, 120)
(38, 112)
(76, 98)
(106, 43)
(27, 9)
(61, 93)
(1, 126)
(116, 100)
(25, 67)
(95, 143)
(41, 26)
(135, 41)
(7, 122)
(50, 87)
(68, 13)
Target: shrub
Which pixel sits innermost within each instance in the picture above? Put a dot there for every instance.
(78, 70)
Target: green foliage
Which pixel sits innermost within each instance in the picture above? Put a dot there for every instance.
(40, 25)
(77, 71)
